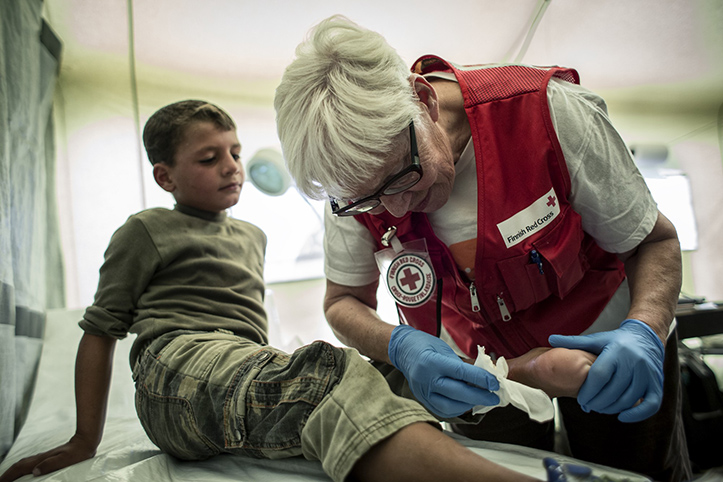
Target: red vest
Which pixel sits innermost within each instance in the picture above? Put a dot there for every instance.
(536, 272)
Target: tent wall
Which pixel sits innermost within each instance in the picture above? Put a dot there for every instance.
(31, 271)
(106, 179)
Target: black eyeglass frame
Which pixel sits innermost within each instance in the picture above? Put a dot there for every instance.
(415, 166)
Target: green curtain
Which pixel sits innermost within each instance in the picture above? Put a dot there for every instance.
(31, 272)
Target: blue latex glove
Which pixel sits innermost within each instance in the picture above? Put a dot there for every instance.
(439, 379)
(629, 367)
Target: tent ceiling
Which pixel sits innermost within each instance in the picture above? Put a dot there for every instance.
(653, 54)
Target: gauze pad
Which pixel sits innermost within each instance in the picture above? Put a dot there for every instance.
(531, 400)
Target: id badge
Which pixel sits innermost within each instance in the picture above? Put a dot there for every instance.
(407, 270)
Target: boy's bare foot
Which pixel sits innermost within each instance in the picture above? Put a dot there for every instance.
(559, 372)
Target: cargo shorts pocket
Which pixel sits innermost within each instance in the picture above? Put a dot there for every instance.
(167, 405)
(266, 410)
(171, 424)
(181, 383)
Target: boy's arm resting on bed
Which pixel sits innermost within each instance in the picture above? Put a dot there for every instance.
(93, 368)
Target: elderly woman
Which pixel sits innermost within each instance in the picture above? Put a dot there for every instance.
(502, 209)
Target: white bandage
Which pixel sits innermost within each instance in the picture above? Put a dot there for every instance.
(531, 400)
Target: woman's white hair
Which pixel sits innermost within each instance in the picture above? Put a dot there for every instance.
(339, 108)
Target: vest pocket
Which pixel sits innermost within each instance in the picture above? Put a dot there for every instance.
(524, 282)
(551, 265)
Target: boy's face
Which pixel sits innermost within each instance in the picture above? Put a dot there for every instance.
(207, 173)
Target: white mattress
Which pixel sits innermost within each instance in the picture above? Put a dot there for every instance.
(126, 453)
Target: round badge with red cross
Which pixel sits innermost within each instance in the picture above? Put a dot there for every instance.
(410, 279)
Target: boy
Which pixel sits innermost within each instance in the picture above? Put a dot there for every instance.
(189, 283)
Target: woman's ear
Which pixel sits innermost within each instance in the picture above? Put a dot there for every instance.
(427, 95)
(162, 175)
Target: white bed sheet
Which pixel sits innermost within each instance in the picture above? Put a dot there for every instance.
(126, 453)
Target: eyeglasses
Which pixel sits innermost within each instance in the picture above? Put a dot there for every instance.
(401, 181)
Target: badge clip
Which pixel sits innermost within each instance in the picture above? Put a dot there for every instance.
(390, 238)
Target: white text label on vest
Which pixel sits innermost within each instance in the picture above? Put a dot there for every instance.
(530, 220)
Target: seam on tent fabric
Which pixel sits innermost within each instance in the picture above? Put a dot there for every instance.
(134, 99)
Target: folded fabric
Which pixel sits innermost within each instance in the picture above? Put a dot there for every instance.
(531, 400)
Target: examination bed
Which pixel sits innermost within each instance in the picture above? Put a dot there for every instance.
(126, 454)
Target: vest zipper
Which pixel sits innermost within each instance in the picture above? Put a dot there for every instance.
(503, 309)
(473, 297)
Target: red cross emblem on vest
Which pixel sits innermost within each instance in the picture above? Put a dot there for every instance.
(410, 279)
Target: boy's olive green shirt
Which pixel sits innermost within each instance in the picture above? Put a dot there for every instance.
(181, 269)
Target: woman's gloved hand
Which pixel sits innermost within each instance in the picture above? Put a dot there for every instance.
(438, 378)
(629, 367)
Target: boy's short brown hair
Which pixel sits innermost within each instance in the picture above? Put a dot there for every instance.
(164, 130)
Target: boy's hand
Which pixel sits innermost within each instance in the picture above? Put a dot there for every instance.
(93, 369)
(74, 451)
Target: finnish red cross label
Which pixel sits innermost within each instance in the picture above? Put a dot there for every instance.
(410, 279)
(530, 220)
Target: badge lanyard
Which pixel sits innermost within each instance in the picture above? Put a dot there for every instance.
(407, 269)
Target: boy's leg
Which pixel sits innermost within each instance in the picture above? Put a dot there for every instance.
(201, 394)
(359, 413)
(362, 428)
(420, 452)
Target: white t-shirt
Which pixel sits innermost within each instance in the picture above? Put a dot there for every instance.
(608, 192)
